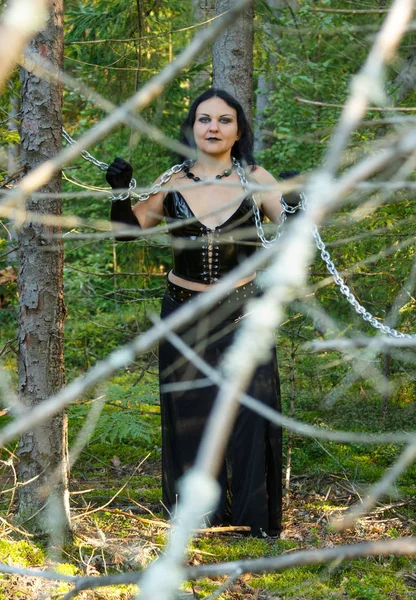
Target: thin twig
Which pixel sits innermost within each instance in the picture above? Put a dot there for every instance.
(400, 546)
(147, 94)
(379, 489)
(370, 108)
(367, 84)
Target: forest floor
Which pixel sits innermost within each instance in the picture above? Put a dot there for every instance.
(118, 536)
(115, 492)
(118, 527)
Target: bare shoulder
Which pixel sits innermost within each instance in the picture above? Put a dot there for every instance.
(261, 175)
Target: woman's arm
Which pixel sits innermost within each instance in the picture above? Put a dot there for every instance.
(271, 202)
(143, 214)
(268, 201)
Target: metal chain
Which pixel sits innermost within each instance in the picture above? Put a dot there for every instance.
(101, 165)
(266, 243)
(155, 189)
(345, 290)
(326, 257)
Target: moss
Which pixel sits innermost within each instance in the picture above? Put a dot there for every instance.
(361, 581)
(152, 495)
(22, 553)
(66, 569)
(237, 549)
(302, 582)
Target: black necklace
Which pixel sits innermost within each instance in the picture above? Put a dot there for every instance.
(190, 175)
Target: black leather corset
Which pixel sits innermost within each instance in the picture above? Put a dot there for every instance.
(205, 255)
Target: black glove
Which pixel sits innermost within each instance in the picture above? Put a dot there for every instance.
(119, 174)
(122, 214)
(292, 198)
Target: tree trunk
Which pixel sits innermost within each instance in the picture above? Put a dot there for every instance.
(266, 83)
(232, 57)
(43, 472)
(12, 162)
(203, 10)
(13, 150)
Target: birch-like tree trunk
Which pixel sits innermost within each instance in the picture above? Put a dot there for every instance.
(232, 57)
(42, 451)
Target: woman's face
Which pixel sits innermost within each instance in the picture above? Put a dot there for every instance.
(216, 127)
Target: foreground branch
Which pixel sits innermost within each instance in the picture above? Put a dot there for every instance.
(21, 20)
(367, 85)
(126, 355)
(401, 546)
(382, 487)
(39, 176)
(398, 547)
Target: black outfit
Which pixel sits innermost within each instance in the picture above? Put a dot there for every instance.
(251, 474)
(206, 254)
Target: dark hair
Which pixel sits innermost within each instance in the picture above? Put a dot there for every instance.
(243, 147)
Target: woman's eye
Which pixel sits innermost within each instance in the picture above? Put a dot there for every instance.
(204, 120)
(225, 120)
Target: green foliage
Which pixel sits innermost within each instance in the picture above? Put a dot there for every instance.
(129, 416)
(358, 580)
(115, 51)
(21, 552)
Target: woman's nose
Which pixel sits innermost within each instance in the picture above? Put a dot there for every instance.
(213, 125)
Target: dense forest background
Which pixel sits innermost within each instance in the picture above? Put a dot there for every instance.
(305, 56)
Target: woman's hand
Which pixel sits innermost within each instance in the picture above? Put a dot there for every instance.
(119, 174)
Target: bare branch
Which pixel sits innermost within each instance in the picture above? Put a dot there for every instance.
(367, 85)
(381, 343)
(140, 100)
(370, 108)
(279, 418)
(352, 11)
(45, 69)
(379, 489)
(126, 355)
(400, 546)
(21, 20)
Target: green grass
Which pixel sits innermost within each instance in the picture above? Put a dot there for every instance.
(128, 433)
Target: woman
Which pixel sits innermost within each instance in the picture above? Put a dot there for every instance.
(215, 236)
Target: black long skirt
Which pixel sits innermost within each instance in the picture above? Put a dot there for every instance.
(251, 475)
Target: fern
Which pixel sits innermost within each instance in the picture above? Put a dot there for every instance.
(123, 426)
(129, 415)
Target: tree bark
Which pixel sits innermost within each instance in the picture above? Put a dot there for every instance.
(232, 57)
(203, 10)
(42, 452)
(13, 150)
(266, 84)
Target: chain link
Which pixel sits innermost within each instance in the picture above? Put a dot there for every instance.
(266, 243)
(86, 155)
(345, 290)
(326, 257)
(155, 189)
